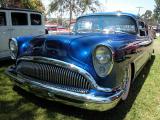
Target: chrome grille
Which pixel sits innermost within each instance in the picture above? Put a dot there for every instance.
(55, 75)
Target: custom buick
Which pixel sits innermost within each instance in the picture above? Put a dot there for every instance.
(92, 67)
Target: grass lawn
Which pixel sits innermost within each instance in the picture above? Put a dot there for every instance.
(143, 102)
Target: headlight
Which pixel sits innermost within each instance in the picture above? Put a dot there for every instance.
(13, 46)
(102, 60)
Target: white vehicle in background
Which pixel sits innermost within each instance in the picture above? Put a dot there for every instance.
(18, 22)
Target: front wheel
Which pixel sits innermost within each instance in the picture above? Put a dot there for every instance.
(127, 83)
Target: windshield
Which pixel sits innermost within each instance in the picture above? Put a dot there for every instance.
(108, 24)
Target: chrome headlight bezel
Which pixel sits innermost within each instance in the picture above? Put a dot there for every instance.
(104, 62)
(13, 46)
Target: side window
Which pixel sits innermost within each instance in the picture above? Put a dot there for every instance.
(142, 28)
(2, 19)
(36, 19)
(19, 18)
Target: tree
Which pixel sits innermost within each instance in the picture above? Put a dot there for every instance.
(149, 18)
(73, 6)
(27, 4)
(33, 5)
(3, 3)
(147, 14)
(157, 11)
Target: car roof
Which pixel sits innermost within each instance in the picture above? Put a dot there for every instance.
(20, 9)
(112, 13)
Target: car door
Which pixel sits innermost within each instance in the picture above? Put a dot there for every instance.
(5, 33)
(144, 43)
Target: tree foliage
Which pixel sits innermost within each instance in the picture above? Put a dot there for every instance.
(33, 4)
(2, 3)
(152, 18)
(27, 4)
(157, 11)
(147, 14)
(148, 17)
(76, 7)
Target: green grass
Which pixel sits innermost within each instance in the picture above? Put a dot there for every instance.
(143, 102)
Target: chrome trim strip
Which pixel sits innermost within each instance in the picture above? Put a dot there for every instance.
(90, 98)
(63, 64)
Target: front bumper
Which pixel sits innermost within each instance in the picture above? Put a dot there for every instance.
(89, 101)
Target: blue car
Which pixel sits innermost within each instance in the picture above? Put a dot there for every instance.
(92, 67)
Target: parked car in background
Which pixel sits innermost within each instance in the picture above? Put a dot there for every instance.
(92, 68)
(54, 29)
(18, 22)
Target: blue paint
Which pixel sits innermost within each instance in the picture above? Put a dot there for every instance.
(78, 48)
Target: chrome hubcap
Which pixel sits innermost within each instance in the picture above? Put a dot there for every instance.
(127, 83)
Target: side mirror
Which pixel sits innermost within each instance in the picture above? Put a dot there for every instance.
(142, 28)
(142, 33)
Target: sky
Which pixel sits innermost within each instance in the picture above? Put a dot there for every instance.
(128, 5)
(122, 5)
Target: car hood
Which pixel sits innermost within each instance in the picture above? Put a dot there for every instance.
(75, 49)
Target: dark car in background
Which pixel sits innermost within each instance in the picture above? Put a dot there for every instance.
(91, 68)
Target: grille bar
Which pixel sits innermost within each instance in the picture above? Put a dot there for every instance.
(53, 74)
